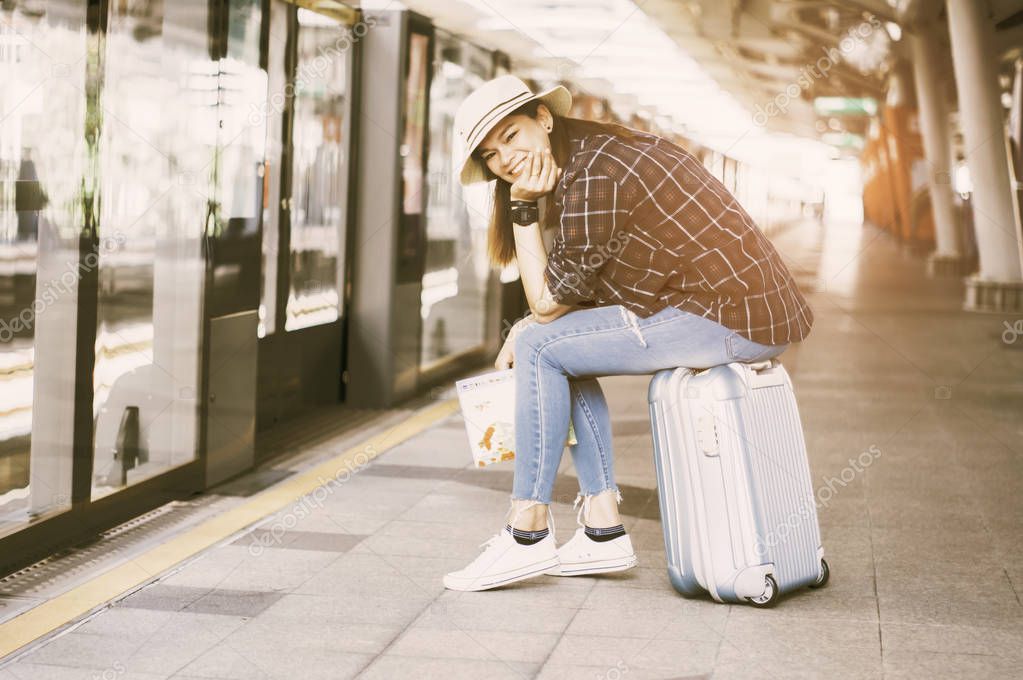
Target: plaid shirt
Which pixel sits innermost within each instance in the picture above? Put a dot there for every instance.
(645, 225)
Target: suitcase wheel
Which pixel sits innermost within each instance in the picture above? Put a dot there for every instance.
(824, 575)
(769, 596)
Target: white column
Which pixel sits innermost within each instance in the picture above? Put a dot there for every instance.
(932, 109)
(972, 34)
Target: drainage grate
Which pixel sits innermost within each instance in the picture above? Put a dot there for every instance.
(64, 569)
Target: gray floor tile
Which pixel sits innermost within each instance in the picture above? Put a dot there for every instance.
(621, 671)
(678, 658)
(163, 597)
(246, 603)
(388, 667)
(939, 666)
(209, 569)
(359, 638)
(83, 651)
(184, 639)
(344, 608)
(300, 540)
(367, 573)
(34, 671)
(268, 570)
(954, 639)
(603, 651)
(462, 615)
(275, 662)
(474, 644)
(224, 661)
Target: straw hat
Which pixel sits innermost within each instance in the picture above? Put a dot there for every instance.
(484, 109)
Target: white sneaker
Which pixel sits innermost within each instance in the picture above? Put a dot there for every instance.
(505, 561)
(582, 555)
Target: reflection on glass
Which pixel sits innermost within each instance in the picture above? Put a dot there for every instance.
(240, 169)
(156, 163)
(457, 270)
(273, 113)
(319, 173)
(411, 232)
(42, 156)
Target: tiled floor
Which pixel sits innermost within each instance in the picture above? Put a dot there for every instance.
(912, 416)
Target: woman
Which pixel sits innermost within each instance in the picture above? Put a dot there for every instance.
(654, 265)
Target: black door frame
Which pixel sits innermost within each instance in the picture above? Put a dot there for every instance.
(290, 377)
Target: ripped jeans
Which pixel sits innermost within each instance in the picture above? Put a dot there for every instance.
(556, 366)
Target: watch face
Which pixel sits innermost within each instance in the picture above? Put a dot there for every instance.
(524, 215)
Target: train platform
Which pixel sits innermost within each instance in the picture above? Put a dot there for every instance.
(911, 413)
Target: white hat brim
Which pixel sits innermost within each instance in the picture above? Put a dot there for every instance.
(557, 99)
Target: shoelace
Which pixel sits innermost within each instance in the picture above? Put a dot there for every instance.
(486, 545)
(585, 509)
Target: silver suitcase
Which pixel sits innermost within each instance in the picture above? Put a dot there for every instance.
(737, 504)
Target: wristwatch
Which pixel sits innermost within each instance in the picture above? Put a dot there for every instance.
(524, 213)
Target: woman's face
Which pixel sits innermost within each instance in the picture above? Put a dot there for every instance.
(506, 148)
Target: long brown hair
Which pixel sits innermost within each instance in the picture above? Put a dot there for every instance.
(501, 240)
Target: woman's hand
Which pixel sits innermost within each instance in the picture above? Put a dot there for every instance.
(538, 177)
(506, 357)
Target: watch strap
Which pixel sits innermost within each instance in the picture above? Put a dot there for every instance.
(524, 213)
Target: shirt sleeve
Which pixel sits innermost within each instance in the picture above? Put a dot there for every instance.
(589, 217)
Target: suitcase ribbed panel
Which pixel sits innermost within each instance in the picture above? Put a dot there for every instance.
(672, 494)
(782, 491)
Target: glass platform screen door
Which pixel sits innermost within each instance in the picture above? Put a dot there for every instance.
(107, 140)
(457, 277)
(157, 154)
(43, 158)
(302, 311)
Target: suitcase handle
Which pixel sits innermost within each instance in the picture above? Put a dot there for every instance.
(758, 366)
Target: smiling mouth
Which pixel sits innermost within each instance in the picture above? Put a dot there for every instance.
(518, 167)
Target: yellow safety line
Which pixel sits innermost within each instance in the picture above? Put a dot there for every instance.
(65, 608)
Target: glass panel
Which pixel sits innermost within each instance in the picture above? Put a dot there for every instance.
(457, 270)
(159, 130)
(274, 109)
(240, 172)
(410, 234)
(319, 172)
(42, 160)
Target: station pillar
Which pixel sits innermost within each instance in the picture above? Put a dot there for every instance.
(998, 286)
(932, 107)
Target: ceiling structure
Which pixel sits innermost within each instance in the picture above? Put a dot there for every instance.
(758, 48)
(706, 67)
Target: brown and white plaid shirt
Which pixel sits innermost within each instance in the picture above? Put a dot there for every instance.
(645, 225)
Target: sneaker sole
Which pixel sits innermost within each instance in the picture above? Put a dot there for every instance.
(474, 585)
(598, 567)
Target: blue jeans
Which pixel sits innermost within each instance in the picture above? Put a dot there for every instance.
(556, 365)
